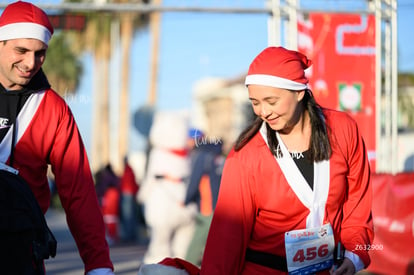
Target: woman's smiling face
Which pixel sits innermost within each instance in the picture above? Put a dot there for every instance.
(280, 108)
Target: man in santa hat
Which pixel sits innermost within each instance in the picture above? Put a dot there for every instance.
(38, 129)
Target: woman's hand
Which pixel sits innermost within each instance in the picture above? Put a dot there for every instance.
(346, 268)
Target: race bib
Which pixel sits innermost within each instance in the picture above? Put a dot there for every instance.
(309, 250)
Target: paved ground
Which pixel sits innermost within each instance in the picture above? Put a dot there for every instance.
(126, 257)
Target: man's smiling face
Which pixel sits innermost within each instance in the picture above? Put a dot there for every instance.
(20, 60)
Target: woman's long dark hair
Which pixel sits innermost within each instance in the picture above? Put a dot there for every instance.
(320, 148)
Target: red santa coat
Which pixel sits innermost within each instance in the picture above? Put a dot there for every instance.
(128, 184)
(257, 204)
(47, 134)
(110, 212)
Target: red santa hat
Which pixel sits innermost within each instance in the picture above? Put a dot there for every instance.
(25, 20)
(170, 266)
(280, 68)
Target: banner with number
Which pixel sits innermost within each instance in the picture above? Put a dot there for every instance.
(342, 77)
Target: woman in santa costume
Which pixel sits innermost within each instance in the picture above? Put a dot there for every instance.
(37, 123)
(296, 185)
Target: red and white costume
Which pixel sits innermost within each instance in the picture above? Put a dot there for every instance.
(47, 135)
(260, 199)
(163, 191)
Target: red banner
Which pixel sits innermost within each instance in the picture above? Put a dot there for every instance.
(392, 251)
(342, 48)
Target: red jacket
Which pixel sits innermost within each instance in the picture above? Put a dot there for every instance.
(128, 183)
(48, 135)
(257, 205)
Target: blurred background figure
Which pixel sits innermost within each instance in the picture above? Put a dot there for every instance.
(110, 212)
(163, 190)
(107, 189)
(206, 166)
(104, 178)
(129, 214)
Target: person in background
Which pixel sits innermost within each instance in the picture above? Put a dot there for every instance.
(107, 186)
(104, 178)
(162, 192)
(110, 208)
(296, 184)
(129, 216)
(46, 132)
(206, 166)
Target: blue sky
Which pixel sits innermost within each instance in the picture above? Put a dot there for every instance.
(199, 45)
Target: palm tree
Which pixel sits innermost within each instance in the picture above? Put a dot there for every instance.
(129, 22)
(62, 65)
(97, 39)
